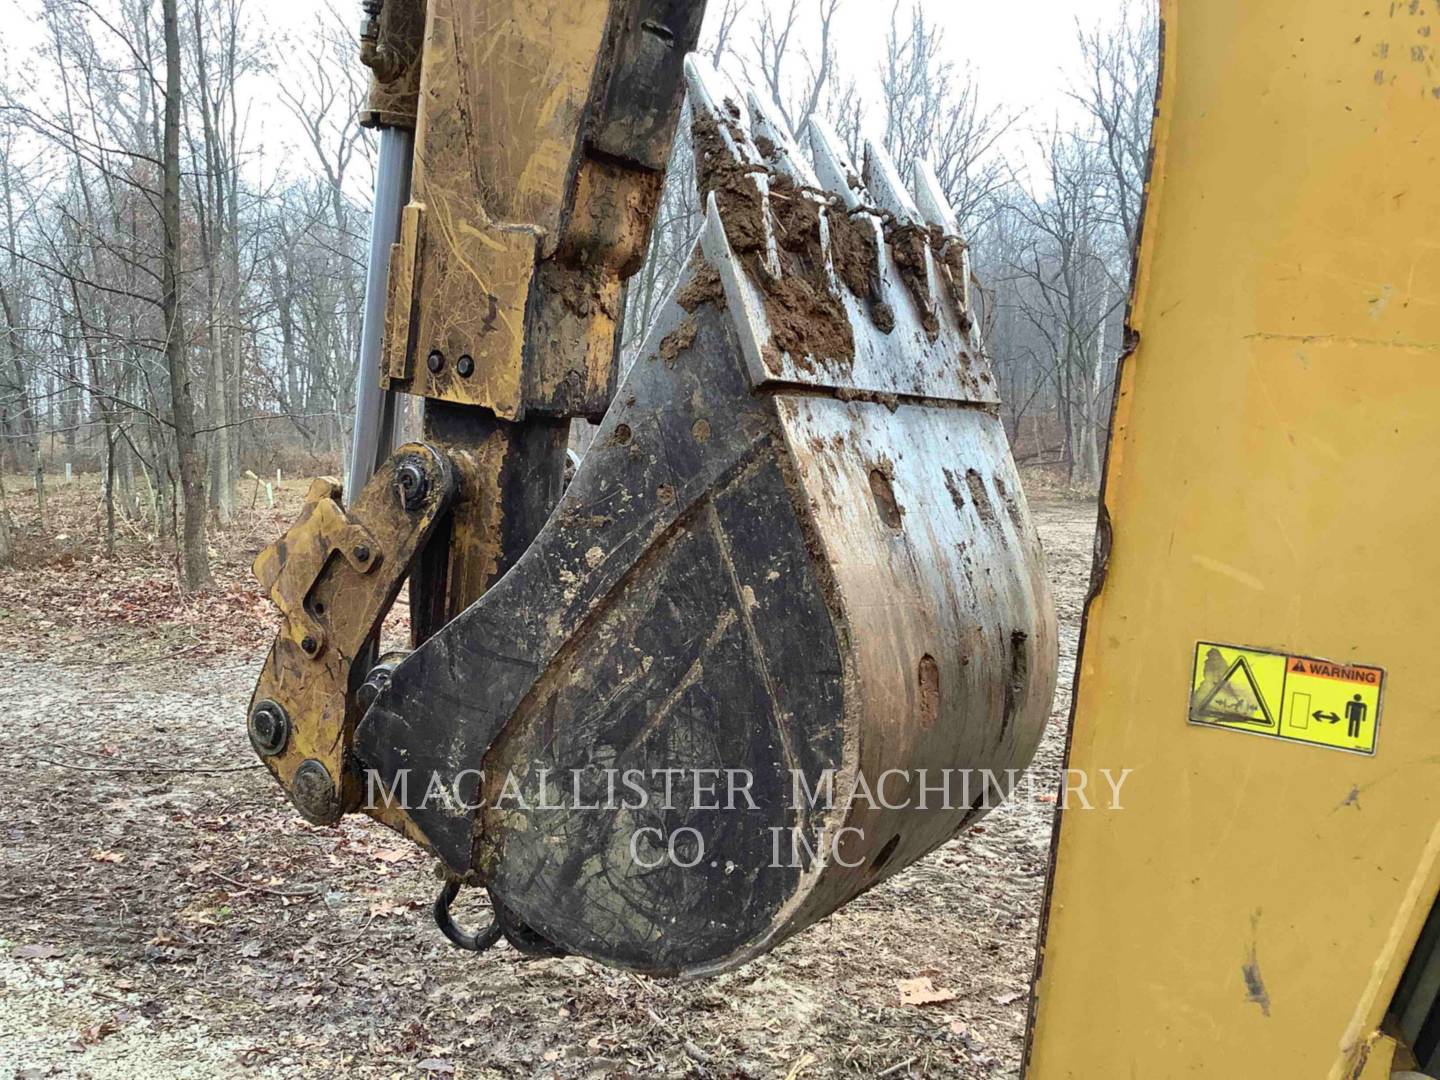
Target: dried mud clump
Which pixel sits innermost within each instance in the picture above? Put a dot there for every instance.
(677, 341)
(951, 254)
(910, 244)
(806, 320)
(856, 255)
(855, 252)
(703, 288)
(718, 174)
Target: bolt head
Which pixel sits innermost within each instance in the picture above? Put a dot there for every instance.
(413, 485)
(465, 366)
(309, 644)
(269, 729)
(314, 795)
(372, 687)
(361, 553)
(435, 361)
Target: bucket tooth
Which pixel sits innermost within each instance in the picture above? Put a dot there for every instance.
(906, 233)
(932, 202)
(795, 194)
(951, 252)
(777, 145)
(857, 241)
(797, 553)
(882, 177)
(833, 166)
(728, 163)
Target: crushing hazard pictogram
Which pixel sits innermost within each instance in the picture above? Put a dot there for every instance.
(1235, 696)
(1297, 698)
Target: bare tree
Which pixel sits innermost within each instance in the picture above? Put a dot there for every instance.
(194, 559)
(19, 421)
(1069, 271)
(718, 47)
(934, 112)
(1121, 67)
(797, 77)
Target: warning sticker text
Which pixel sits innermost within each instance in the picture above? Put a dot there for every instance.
(1298, 698)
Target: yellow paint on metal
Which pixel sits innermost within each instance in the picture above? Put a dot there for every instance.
(503, 93)
(1248, 913)
(1299, 698)
(1378, 1060)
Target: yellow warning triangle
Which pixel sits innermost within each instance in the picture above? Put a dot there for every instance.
(1236, 698)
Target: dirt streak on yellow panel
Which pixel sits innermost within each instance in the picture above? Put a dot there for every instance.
(502, 96)
(1270, 482)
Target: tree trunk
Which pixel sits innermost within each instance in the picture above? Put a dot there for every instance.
(39, 486)
(125, 481)
(6, 548)
(194, 560)
(109, 488)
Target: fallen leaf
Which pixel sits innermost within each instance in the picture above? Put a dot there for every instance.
(383, 909)
(36, 952)
(922, 992)
(436, 1065)
(1008, 998)
(393, 855)
(108, 856)
(93, 1034)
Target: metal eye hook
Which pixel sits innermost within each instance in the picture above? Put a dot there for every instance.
(476, 943)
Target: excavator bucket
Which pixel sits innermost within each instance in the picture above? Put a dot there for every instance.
(792, 594)
(788, 628)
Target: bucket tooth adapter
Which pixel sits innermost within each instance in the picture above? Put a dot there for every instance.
(788, 628)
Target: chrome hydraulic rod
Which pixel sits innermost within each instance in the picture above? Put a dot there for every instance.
(373, 436)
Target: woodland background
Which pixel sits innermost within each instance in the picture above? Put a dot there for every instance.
(177, 322)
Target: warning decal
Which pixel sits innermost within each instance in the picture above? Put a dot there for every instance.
(1297, 698)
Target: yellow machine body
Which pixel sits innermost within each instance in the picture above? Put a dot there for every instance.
(1270, 486)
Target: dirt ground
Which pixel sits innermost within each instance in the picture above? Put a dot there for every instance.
(157, 920)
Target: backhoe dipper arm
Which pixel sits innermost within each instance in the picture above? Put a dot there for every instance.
(543, 129)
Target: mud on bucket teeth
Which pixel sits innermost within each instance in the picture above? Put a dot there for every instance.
(795, 566)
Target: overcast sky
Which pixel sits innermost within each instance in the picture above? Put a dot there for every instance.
(1023, 52)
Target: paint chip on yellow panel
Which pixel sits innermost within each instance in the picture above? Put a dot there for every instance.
(1294, 698)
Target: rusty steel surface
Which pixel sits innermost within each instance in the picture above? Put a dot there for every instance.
(543, 132)
(797, 546)
(333, 576)
(391, 46)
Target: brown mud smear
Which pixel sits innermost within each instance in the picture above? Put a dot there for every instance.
(910, 243)
(856, 255)
(718, 174)
(806, 320)
(950, 254)
(677, 341)
(704, 288)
